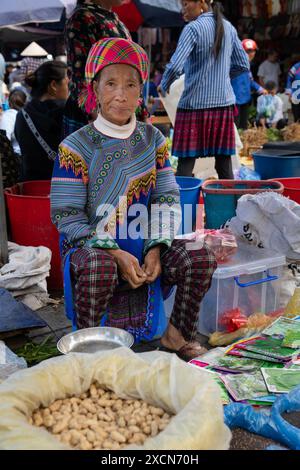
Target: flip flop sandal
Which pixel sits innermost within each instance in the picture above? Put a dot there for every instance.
(191, 350)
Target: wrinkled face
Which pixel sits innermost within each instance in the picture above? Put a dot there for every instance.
(191, 10)
(118, 90)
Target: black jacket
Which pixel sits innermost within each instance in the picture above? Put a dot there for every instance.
(47, 117)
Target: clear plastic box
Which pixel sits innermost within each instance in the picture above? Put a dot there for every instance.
(250, 281)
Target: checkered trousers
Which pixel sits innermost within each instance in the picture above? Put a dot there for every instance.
(95, 277)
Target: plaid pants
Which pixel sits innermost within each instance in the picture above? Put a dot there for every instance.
(95, 275)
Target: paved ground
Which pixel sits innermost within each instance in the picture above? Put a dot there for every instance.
(59, 325)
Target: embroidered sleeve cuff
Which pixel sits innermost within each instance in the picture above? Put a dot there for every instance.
(104, 243)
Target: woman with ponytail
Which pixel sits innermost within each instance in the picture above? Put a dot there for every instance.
(210, 53)
(38, 128)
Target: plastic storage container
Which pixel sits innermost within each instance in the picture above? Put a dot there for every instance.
(271, 163)
(291, 188)
(221, 197)
(190, 190)
(28, 207)
(250, 281)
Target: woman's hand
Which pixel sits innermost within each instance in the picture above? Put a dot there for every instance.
(129, 268)
(152, 264)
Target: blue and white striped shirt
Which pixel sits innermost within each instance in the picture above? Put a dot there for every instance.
(207, 80)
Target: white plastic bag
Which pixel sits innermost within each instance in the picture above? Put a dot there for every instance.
(159, 378)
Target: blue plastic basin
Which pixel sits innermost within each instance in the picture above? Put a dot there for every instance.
(276, 166)
(190, 189)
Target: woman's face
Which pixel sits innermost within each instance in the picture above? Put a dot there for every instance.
(118, 90)
(191, 10)
(62, 89)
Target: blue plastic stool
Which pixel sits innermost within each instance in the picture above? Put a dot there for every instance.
(69, 301)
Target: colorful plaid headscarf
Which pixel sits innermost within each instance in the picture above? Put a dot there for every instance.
(107, 52)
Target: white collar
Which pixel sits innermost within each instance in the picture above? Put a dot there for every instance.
(113, 130)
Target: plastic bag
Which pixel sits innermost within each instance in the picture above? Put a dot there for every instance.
(245, 173)
(159, 378)
(221, 242)
(9, 362)
(271, 425)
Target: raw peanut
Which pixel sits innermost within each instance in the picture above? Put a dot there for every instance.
(156, 411)
(132, 422)
(65, 437)
(166, 416)
(110, 413)
(154, 429)
(55, 405)
(104, 417)
(61, 426)
(137, 439)
(91, 422)
(146, 429)
(93, 390)
(107, 444)
(134, 429)
(84, 444)
(46, 412)
(121, 422)
(48, 421)
(137, 405)
(38, 419)
(100, 433)
(91, 436)
(162, 425)
(74, 424)
(75, 437)
(118, 437)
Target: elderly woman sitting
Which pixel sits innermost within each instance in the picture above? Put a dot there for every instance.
(107, 177)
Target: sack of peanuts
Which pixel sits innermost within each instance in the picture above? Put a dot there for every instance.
(112, 400)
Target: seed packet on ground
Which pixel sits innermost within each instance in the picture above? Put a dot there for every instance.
(236, 363)
(260, 357)
(224, 394)
(281, 381)
(268, 346)
(281, 326)
(292, 339)
(245, 386)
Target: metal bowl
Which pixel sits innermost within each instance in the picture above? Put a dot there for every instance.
(91, 340)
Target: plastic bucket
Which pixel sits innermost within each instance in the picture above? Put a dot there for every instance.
(221, 197)
(190, 189)
(291, 188)
(270, 166)
(28, 207)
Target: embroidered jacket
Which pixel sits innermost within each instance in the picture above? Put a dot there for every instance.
(93, 169)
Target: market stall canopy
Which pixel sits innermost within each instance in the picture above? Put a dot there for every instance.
(13, 12)
(151, 13)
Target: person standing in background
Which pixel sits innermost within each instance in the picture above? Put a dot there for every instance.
(91, 21)
(34, 56)
(16, 101)
(243, 85)
(293, 90)
(38, 126)
(208, 51)
(269, 70)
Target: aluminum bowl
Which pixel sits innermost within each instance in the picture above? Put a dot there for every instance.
(91, 340)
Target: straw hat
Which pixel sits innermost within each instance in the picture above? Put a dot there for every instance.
(34, 50)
